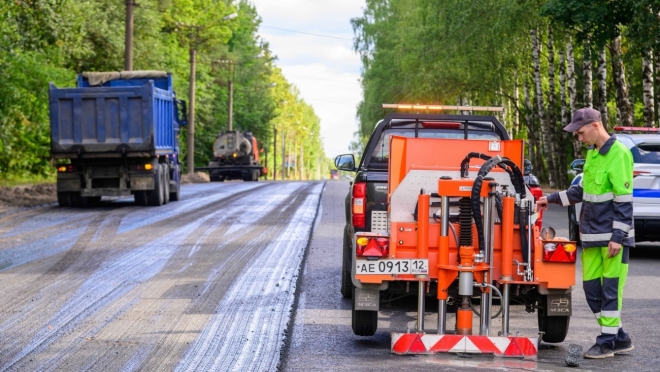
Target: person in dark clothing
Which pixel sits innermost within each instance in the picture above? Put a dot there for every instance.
(606, 227)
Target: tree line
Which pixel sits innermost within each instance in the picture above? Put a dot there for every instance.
(44, 41)
(540, 60)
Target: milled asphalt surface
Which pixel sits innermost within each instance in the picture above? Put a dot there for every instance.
(208, 284)
(203, 284)
(322, 339)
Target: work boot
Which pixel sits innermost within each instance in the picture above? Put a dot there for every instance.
(599, 352)
(622, 347)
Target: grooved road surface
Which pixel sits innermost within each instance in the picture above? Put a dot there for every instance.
(203, 284)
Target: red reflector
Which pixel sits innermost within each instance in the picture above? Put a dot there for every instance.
(440, 125)
(372, 246)
(559, 252)
(372, 249)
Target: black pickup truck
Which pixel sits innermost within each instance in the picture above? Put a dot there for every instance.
(366, 202)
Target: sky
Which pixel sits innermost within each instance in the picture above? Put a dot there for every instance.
(313, 42)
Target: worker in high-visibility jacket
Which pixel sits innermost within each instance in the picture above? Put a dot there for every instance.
(606, 227)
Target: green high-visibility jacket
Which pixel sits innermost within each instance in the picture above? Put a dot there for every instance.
(606, 193)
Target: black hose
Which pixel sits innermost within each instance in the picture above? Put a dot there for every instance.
(465, 166)
(518, 184)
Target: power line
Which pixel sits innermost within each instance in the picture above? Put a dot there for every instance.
(306, 33)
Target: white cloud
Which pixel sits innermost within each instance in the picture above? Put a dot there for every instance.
(325, 70)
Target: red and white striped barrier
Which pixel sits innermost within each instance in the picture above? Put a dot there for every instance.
(508, 347)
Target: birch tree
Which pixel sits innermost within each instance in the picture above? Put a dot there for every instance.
(559, 167)
(587, 87)
(561, 135)
(601, 75)
(619, 80)
(546, 132)
(572, 93)
(647, 84)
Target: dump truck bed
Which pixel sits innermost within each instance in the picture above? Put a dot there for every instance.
(117, 120)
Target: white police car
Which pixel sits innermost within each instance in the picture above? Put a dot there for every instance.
(644, 144)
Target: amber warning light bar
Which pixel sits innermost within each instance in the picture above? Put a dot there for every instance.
(405, 106)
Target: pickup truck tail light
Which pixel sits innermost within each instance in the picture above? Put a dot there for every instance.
(358, 204)
(559, 252)
(372, 247)
(639, 173)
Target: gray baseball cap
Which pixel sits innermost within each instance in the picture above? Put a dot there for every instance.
(583, 117)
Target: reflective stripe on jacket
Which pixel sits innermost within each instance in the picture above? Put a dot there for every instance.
(606, 195)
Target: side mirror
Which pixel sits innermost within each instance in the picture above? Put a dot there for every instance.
(577, 165)
(527, 167)
(345, 162)
(184, 112)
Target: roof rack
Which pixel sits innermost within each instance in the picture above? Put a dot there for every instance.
(406, 106)
(636, 129)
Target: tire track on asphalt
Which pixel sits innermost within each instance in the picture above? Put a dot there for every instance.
(100, 288)
(166, 350)
(247, 330)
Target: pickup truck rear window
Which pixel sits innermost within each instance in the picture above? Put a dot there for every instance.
(380, 156)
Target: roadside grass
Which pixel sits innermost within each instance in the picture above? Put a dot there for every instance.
(26, 181)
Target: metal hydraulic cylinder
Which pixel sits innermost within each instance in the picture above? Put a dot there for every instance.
(443, 259)
(422, 252)
(486, 296)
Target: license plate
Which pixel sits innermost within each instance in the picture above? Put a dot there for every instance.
(393, 266)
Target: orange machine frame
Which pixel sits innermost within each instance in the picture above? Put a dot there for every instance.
(408, 154)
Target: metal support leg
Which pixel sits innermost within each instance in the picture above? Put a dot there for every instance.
(484, 326)
(421, 296)
(505, 310)
(442, 317)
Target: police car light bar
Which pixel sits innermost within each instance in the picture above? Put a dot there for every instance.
(404, 106)
(637, 129)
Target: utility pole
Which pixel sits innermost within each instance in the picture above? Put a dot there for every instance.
(283, 155)
(128, 42)
(266, 162)
(275, 155)
(191, 112)
(195, 43)
(231, 104)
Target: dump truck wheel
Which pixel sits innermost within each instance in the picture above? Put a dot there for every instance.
(176, 194)
(140, 197)
(155, 196)
(346, 282)
(63, 199)
(555, 328)
(166, 184)
(365, 323)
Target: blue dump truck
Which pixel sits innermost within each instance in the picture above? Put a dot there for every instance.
(117, 134)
